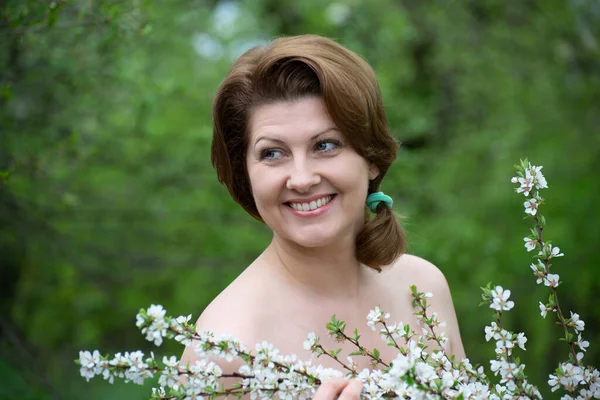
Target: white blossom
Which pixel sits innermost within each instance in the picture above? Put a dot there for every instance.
(89, 364)
(531, 206)
(491, 331)
(169, 377)
(538, 179)
(156, 311)
(530, 243)
(376, 316)
(577, 323)
(182, 320)
(171, 362)
(543, 309)
(550, 252)
(526, 184)
(139, 320)
(521, 340)
(311, 341)
(500, 300)
(553, 382)
(583, 344)
(555, 252)
(539, 271)
(551, 280)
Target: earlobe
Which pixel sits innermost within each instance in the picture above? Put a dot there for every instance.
(373, 171)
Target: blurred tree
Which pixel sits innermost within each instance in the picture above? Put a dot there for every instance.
(112, 203)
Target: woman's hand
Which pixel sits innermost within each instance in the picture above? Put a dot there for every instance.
(339, 388)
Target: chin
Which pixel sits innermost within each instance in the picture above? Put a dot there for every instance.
(317, 239)
(310, 243)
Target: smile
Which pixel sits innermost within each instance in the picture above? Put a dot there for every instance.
(313, 205)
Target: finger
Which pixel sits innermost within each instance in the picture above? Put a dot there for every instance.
(330, 389)
(352, 391)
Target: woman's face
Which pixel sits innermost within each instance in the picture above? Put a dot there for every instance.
(308, 183)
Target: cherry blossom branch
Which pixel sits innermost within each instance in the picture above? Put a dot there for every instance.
(420, 302)
(553, 287)
(337, 329)
(570, 376)
(333, 355)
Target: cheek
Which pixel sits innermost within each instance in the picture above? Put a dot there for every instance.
(352, 172)
(264, 186)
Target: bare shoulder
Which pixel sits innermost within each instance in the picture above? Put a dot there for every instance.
(235, 312)
(417, 271)
(412, 270)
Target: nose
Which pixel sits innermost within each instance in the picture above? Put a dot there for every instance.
(302, 176)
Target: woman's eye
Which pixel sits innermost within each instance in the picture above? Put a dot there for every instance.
(327, 145)
(270, 154)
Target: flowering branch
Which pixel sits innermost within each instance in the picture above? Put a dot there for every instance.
(420, 303)
(414, 372)
(513, 381)
(572, 374)
(337, 329)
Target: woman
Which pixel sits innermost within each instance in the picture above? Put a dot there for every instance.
(300, 140)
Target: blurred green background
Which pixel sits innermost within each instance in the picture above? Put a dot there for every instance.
(108, 201)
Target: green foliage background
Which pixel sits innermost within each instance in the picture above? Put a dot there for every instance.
(108, 201)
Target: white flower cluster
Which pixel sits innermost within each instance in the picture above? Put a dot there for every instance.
(129, 366)
(414, 373)
(513, 383)
(570, 377)
(419, 375)
(154, 323)
(434, 373)
(530, 177)
(268, 374)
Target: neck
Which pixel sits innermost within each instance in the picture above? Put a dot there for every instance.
(332, 273)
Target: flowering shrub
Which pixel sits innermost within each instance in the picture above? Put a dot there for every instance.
(420, 370)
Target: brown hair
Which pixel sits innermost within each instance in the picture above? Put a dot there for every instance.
(291, 68)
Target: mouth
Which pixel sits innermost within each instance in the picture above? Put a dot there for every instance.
(311, 205)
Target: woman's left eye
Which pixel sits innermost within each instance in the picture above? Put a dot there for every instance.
(327, 145)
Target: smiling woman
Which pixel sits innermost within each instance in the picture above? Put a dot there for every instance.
(300, 140)
(296, 68)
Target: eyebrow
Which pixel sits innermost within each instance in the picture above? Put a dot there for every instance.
(332, 128)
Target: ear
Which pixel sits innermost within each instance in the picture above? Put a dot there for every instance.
(373, 171)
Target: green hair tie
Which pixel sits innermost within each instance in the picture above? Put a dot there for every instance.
(374, 199)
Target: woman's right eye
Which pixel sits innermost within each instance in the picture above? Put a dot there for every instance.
(270, 154)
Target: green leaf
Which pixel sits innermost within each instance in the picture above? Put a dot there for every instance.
(334, 353)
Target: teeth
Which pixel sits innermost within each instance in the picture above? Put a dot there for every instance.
(313, 205)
